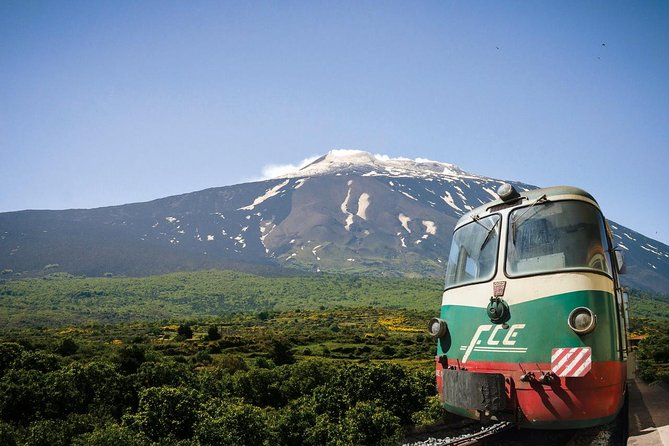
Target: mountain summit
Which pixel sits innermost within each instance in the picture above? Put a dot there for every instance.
(365, 163)
(347, 211)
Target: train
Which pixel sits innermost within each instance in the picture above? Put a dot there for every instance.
(533, 320)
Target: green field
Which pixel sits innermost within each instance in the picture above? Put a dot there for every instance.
(60, 299)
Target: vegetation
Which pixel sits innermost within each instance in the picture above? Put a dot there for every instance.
(221, 357)
(653, 356)
(646, 305)
(60, 299)
(342, 377)
(649, 322)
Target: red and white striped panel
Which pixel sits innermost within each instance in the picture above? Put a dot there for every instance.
(571, 362)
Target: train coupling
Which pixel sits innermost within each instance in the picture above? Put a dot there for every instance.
(527, 377)
(548, 378)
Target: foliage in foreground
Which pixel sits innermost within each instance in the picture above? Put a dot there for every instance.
(653, 352)
(340, 383)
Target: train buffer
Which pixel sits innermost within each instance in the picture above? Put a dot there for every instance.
(648, 413)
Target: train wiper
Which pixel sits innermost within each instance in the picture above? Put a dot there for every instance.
(488, 236)
(489, 231)
(516, 222)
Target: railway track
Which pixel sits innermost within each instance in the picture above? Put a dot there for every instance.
(464, 434)
(506, 434)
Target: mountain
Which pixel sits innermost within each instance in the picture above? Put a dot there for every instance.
(348, 211)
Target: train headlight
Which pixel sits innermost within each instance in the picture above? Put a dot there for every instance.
(437, 327)
(507, 192)
(582, 320)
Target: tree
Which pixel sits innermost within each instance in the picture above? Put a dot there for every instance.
(7, 434)
(111, 435)
(184, 332)
(21, 395)
(260, 387)
(653, 357)
(280, 352)
(9, 352)
(166, 412)
(368, 425)
(47, 433)
(213, 334)
(130, 358)
(67, 347)
(37, 360)
(165, 373)
(229, 423)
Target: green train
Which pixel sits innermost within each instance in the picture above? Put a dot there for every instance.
(533, 322)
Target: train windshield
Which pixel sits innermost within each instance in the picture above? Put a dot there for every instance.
(473, 252)
(553, 236)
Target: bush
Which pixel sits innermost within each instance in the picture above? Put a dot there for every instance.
(653, 357)
(21, 395)
(260, 387)
(166, 373)
(130, 358)
(58, 432)
(37, 360)
(184, 332)
(390, 386)
(7, 434)
(67, 347)
(213, 382)
(9, 352)
(47, 433)
(231, 423)
(111, 435)
(166, 412)
(213, 334)
(294, 422)
(280, 352)
(233, 363)
(368, 425)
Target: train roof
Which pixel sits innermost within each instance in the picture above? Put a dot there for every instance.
(531, 195)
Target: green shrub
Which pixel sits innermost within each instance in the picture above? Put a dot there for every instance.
(166, 412)
(9, 352)
(7, 434)
(368, 424)
(47, 433)
(653, 357)
(111, 435)
(228, 423)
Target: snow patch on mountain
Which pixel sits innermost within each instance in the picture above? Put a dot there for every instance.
(449, 201)
(405, 222)
(345, 211)
(268, 194)
(430, 227)
(491, 192)
(363, 204)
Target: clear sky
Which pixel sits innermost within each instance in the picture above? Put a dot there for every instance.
(112, 102)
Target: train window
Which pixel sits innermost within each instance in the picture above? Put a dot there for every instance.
(473, 255)
(553, 236)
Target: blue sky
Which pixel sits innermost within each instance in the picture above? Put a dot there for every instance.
(113, 102)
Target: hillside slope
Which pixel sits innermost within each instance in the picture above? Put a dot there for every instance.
(348, 211)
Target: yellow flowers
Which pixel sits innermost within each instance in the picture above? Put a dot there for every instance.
(398, 323)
